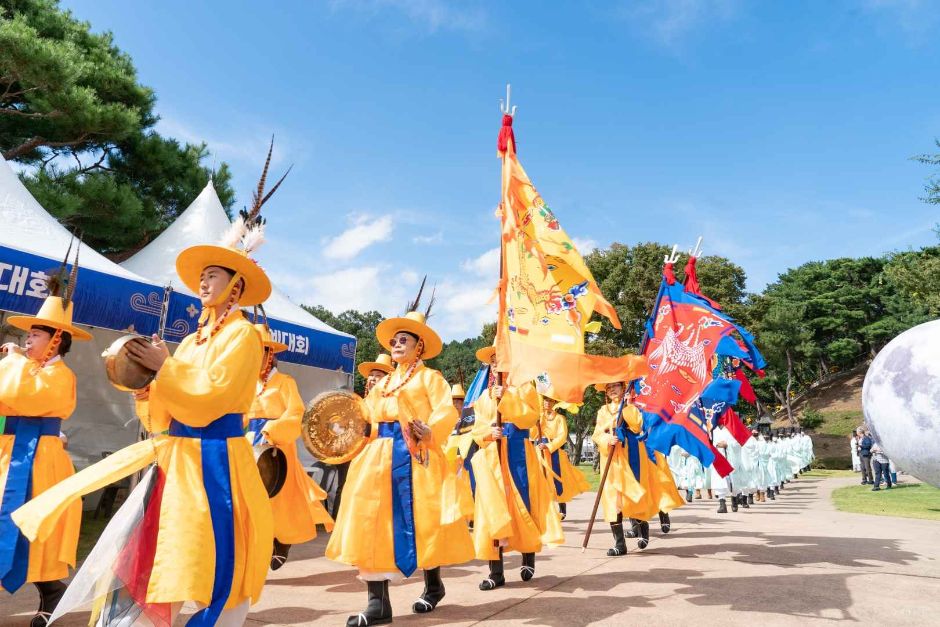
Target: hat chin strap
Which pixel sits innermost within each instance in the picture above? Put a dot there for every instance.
(224, 294)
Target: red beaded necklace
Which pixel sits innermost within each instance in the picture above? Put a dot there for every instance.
(409, 374)
(218, 323)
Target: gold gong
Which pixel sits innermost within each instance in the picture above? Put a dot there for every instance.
(334, 426)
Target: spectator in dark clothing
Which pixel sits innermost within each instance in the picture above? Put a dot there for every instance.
(881, 466)
(864, 454)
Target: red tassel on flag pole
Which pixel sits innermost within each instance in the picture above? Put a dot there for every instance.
(505, 136)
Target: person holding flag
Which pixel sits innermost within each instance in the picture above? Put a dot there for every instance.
(550, 436)
(390, 521)
(37, 392)
(274, 418)
(626, 492)
(514, 507)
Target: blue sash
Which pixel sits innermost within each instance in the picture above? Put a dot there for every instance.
(14, 547)
(515, 457)
(256, 425)
(474, 447)
(631, 442)
(556, 468)
(403, 518)
(218, 486)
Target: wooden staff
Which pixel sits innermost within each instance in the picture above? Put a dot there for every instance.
(600, 486)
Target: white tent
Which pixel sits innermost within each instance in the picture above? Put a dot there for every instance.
(205, 221)
(109, 299)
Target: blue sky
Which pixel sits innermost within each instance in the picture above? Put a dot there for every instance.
(781, 131)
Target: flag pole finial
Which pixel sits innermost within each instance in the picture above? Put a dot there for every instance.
(504, 106)
(673, 257)
(697, 251)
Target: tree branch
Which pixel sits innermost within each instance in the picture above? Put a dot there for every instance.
(38, 141)
(21, 114)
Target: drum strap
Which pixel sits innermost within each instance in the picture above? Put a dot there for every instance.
(14, 547)
(403, 518)
(218, 486)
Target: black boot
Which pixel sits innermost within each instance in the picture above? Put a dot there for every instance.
(643, 531)
(743, 500)
(379, 609)
(433, 592)
(620, 544)
(770, 494)
(633, 531)
(734, 503)
(527, 571)
(750, 499)
(664, 523)
(50, 593)
(722, 507)
(563, 509)
(688, 496)
(280, 554)
(496, 578)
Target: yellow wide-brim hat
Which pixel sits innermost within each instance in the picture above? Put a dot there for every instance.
(486, 353)
(412, 322)
(268, 340)
(456, 391)
(51, 314)
(383, 362)
(193, 260)
(602, 387)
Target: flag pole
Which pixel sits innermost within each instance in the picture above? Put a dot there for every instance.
(600, 486)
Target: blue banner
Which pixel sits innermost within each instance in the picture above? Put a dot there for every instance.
(305, 346)
(101, 300)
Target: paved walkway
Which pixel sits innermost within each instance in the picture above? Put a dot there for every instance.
(793, 561)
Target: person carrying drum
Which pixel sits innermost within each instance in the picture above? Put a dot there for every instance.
(389, 523)
(202, 530)
(274, 419)
(37, 392)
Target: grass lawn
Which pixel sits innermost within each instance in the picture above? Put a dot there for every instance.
(840, 422)
(91, 530)
(907, 500)
(592, 477)
(823, 472)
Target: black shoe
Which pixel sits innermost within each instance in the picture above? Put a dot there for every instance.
(770, 494)
(743, 502)
(620, 544)
(50, 593)
(563, 510)
(664, 523)
(379, 609)
(688, 496)
(496, 578)
(722, 507)
(734, 503)
(280, 554)
(433, 592)
(750, 499)
(527, 571)
(644, 532)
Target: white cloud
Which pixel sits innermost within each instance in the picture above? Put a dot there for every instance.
(364, 233)
(584, 245)
(431, 15)
(486, 265)
(436, 238)
(250, 147)
(670, 22)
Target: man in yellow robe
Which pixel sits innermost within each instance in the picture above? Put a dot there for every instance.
(390, 521)
(514, 507)
(274, 418)
(37, 393)
(207, 531)
(550, 436)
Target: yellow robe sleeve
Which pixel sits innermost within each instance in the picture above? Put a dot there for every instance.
(603, 423)
(484, 419)
(50, 393)
(520, 405)
(443, 413)
(193, 394)
(560, 437)
(286, 428)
